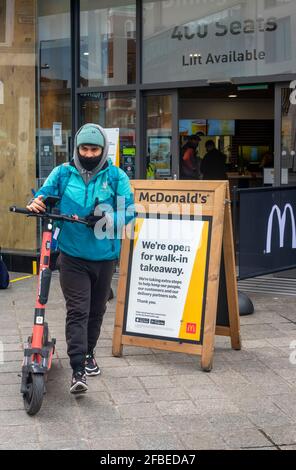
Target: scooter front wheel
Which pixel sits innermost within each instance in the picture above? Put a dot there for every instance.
(33, 397)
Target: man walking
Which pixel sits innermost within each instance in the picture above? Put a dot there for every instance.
(90, 186)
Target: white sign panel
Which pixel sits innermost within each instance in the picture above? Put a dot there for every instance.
(1, 92)
(57, 133)
(268, 176)
(113, 138)
(167, 279)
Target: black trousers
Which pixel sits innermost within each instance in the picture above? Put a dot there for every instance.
(86, 287)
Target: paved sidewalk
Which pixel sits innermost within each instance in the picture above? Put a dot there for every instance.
(150, 399)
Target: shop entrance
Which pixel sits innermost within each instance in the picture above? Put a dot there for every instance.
(235, 122)
(161, 134)
(285, 95)
(227, 131)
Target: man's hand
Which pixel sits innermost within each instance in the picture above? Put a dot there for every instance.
(37, 205)
(93, 219)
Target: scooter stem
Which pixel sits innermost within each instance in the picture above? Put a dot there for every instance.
(43, 285)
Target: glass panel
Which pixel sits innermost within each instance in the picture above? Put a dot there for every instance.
(17, 121)
(159, 137)
(55, 84)
(2, 21)
(107, 42)
(216, 40)
(241, 128)
(288, 155)
(114, 110)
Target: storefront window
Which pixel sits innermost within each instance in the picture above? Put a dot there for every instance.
(158, 136)
(54, 43)
(114, 110)
(217, 40)
(17, 121)
(288, 155)
(107, 42)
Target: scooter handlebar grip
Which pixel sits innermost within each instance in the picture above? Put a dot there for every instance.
(19, 210)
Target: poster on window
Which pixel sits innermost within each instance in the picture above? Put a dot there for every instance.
(160, 154)
(113, 138)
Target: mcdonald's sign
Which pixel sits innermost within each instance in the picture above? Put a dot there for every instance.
(191, 328)
(267, 230)
(281, 218)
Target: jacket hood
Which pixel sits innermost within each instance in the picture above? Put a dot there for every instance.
(87, 175)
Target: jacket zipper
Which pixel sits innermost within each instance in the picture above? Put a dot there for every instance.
(86, 191)
(86, 196)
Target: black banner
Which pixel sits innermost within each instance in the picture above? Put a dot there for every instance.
(267, 230)
(139, 459)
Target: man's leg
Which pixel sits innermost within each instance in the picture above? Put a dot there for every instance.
(76, 286)
(100, 291)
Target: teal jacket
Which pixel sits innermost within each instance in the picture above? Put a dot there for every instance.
(112, 188)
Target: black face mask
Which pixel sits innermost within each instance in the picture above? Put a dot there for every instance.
(89, 163)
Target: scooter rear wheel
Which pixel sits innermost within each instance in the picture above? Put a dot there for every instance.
(33, 398)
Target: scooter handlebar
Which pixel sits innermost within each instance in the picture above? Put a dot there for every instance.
(44, 215)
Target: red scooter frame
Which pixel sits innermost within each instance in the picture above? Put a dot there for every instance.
(39, 350)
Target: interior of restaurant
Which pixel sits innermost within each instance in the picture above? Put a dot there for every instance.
(240, 121)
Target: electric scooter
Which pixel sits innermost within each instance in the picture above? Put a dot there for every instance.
(39, 349)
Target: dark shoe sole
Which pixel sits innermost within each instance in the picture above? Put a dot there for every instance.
(93, 373)
(79, 387)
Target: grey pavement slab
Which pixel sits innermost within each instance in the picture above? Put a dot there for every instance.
(159, 442)
(153, 399)
(91, 408)
(122, 383)
(150, 425)
(71, 444)
(59, 431)
(138, 410)
(130, 397)
(281, 435)
(203, 441)
(98, 428)
(16, 418)
(157, 382)
(196, 424)
(9, 390)
(13, 445)
(10, 378)
(178, 407)
(245, 439)
(170, 394)
(230, 422)
(11, 339)
(115, 443)
(216, 406)
(19, 434)
(206, 392)
(275, 418)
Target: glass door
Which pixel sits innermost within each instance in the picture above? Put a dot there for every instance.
(55, 115)
(116, 113)
(161, 135)
(286, 133)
